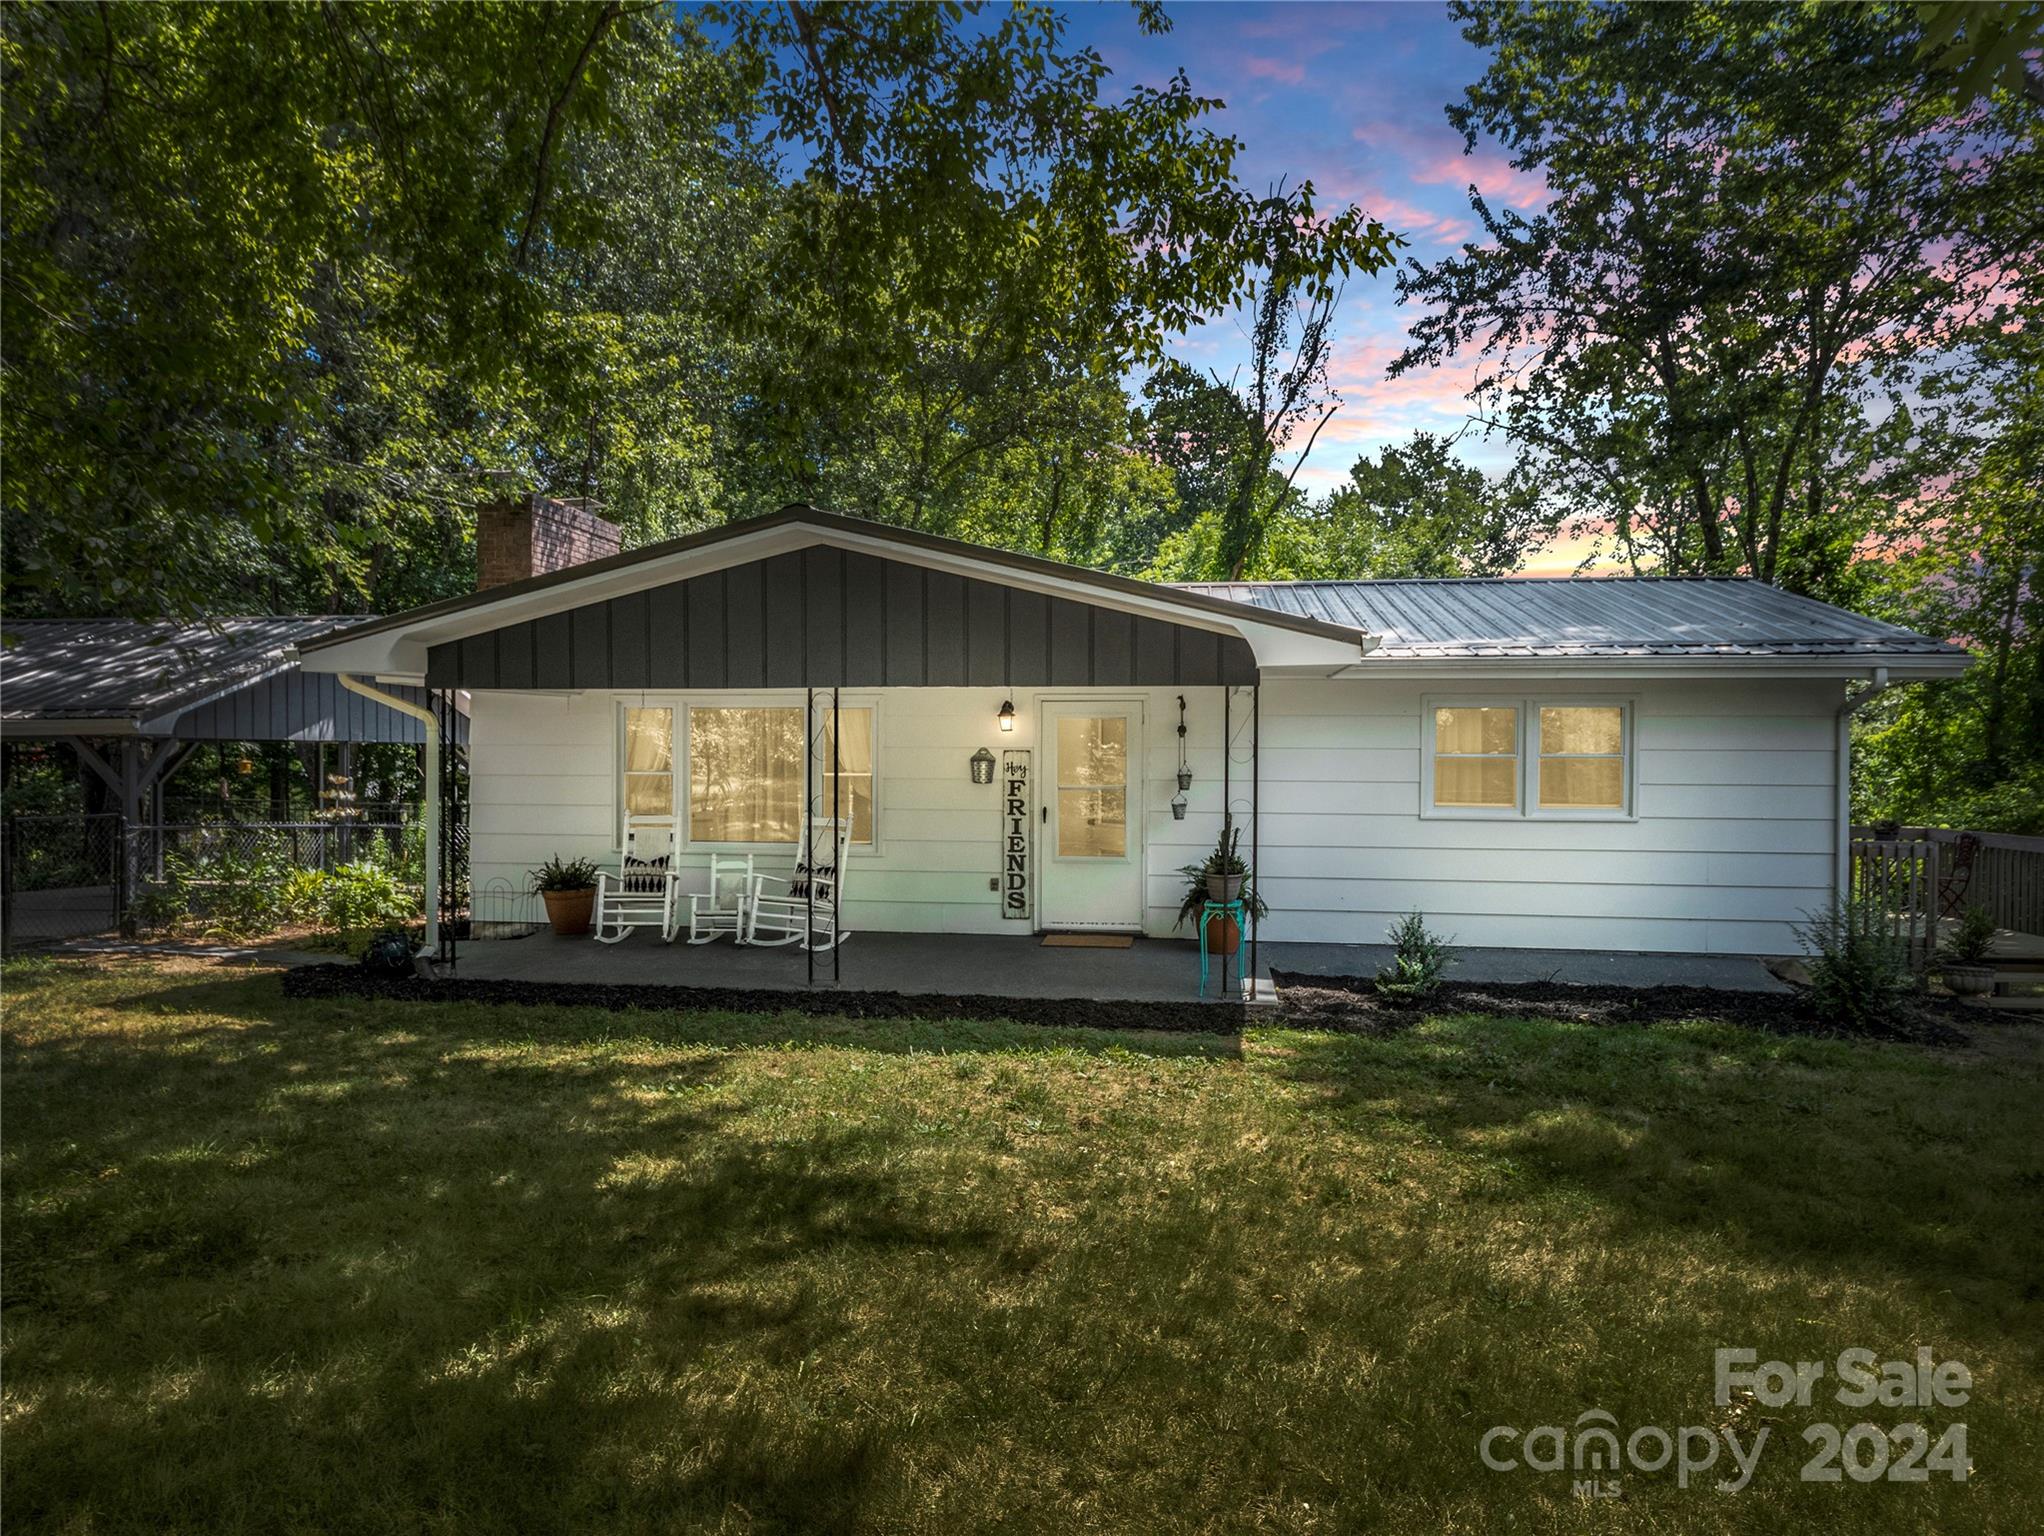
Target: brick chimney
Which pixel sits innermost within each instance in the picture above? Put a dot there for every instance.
(531, 535)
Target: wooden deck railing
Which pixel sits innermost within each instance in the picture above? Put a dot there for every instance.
(1919, 874)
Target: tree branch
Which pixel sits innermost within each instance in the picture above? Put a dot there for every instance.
(543, 173)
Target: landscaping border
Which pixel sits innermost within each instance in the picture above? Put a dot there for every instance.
(1353, 1003)
(324, 981)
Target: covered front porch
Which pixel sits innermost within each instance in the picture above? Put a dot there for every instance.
(1023, 966)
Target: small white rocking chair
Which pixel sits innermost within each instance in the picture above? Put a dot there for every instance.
(805, 907)
(644, 890)
(722, 909)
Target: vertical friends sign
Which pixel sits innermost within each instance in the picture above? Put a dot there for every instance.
(1015, 835)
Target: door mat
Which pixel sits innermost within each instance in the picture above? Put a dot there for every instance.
(1087, 941)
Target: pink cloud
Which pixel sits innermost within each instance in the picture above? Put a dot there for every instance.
(1491, 174)
(1285, 72)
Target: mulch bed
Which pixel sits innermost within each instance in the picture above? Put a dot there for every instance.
(1345, 1004)
(1065, 1013)
(1352, 1003)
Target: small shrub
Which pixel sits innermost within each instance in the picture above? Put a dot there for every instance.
(1859, 972)
(1419, 958)
(160, 905)
(366, 896)
(1973, 940)
(304, 895)
(242, 893)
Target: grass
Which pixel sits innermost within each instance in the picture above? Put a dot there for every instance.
(342, 1266)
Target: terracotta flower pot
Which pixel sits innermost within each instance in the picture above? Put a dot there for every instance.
(1969, 980)
(1224, 934)
(569, 911)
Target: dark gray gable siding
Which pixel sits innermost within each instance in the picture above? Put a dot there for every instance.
(822, 616)
(307, 706)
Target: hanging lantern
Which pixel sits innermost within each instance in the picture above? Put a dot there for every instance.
(1007, 714)
(244, 765)
(1184, 769)
(982, 767)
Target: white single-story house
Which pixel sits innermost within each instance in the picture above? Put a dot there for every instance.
(1637, 764)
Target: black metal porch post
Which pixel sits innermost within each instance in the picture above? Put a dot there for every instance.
(1255, 812)
(805, 854)
(837, 874)
(1227, 754)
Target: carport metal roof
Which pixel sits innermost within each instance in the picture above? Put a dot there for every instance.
(230, 680)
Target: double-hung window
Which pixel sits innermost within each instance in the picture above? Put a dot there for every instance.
(745, 773)
(1553, 757)
(649, 762)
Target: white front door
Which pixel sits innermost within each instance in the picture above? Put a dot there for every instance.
(1092, 858)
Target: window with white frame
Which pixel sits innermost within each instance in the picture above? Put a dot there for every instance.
(745, 773)
(648, 762)
(1476, 757)
(1582, 758)
(1556, 757)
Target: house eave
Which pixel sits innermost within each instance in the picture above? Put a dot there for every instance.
(1906, 666)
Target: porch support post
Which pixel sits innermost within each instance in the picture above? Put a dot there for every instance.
(805, 855)
(430, 754)
(1255, 812)
(837, 880)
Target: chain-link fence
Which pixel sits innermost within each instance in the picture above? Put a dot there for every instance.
(62, 877)
(305, 844)
(71, 877)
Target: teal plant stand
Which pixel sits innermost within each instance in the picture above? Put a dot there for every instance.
(1207, 913)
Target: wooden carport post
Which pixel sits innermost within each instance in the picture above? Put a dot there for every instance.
(132, 777)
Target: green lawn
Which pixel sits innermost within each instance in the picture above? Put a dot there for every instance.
(347, 1266)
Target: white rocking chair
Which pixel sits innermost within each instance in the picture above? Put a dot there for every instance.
(722, 908)
(644, 890)
(805, 907)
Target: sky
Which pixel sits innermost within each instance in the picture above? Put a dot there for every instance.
(1352, 98)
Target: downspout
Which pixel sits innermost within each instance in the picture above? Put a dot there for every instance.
(1841, 874)
(425, 717)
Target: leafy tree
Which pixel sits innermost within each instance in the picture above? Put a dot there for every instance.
(1968, 560)
(1757, 226)
(291, 289)
(1417, 510)
(230, 227)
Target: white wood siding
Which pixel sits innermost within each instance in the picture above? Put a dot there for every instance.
(1731, 844)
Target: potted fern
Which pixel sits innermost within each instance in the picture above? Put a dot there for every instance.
(1962, 962)
(1221, 876)
(568, 887)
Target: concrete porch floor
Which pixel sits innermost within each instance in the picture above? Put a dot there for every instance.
(1150, 970)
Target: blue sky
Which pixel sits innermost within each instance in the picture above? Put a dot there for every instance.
(1350, 96)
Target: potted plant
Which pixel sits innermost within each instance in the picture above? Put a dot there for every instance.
(1963, 959)
(1221, 876)
(569, 891)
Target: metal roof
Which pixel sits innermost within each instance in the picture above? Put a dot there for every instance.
(1565, 616)
(128, 669)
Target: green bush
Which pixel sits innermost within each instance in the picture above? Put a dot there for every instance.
(239, 894)
(159, 905)
(366, 896)
(1419, 957)
(1973, 941)
(1859, 972)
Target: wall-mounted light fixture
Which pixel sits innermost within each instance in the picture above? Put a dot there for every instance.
(982, 767)
(1007, 714)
